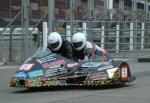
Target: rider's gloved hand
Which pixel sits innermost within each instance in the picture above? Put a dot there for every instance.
(86, 58)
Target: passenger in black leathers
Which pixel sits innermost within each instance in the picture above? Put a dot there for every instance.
(60, 46)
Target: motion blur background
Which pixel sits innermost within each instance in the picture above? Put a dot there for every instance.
(120, 26)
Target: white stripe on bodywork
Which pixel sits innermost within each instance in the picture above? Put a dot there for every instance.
(111, 72)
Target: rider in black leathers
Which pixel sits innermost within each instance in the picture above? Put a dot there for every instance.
(60, 46)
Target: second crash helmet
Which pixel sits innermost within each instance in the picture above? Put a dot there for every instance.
(79, 41)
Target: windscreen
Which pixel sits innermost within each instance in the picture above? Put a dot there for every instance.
(41, 52)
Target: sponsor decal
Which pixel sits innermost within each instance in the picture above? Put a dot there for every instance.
(124, 72)
(20, 75)
(53, 64)
(46, 59)
(45, 82)
(71, 65)
(47, 74)
(26, 67)
(99, 75)
(35, 73)
(91, 64)
(55, 71)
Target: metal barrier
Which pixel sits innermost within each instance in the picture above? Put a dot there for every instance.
(129, 39)
(123, 39)
(13, 52)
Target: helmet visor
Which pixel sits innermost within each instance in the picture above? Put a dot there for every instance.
(77, 44)
(54, 45)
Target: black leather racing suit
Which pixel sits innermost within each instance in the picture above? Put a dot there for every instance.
(65, 50)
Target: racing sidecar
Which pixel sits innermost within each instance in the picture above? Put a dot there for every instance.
(47, 69)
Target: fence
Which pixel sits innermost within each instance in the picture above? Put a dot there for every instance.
(123, 29)
(123, 39)
(12, 46)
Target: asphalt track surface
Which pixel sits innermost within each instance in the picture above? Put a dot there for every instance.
(136, 92)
